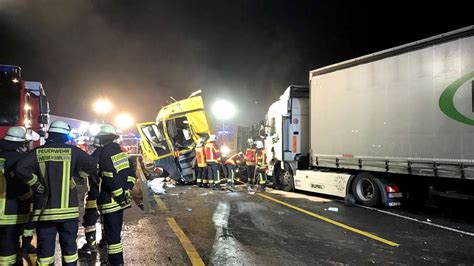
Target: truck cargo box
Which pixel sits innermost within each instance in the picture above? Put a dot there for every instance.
(404, 110)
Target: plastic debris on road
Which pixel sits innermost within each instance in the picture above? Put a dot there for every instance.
(157, 186)
(332, 209)
(189, 209)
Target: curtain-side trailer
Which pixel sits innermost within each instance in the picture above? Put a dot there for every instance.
(398, 120)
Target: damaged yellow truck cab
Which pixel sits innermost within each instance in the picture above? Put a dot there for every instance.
(169, 142)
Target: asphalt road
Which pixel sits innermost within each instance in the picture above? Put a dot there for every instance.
(190, 225)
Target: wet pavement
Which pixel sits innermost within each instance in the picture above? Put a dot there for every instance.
(281, 228)
(238, 228)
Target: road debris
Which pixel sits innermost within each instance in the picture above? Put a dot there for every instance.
(157, 186)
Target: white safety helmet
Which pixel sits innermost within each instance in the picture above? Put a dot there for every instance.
(259, 144)
(16, 134)
(106, 130)
(59, 127)
(212, 138)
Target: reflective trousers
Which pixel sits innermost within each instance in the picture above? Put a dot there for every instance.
(201, 173)
(262, 176)
(9, 243)
(112, 229)
(47, 231)
(90, 219)
(213, 173)
(250, 174)
(230, 174)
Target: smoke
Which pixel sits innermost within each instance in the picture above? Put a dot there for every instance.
(138, 53)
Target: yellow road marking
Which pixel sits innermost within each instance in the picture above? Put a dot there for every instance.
(160, 203)
(349, 228)
(187, 245)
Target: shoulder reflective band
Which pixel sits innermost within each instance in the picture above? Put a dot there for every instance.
(131, 179)
(120, 161)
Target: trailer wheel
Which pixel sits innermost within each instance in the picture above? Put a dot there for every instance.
(366, 190)
(286, 181)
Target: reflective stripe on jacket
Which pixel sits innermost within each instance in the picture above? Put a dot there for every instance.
(250, 156)
(200, 157)
(117, 175)
(15, 197)
(53, 165)
(213, 154)
(233, 160)
(261, 159)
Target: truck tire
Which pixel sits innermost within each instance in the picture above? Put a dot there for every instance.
(286, 181)
(365, 190)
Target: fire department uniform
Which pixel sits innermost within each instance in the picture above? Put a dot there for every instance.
(250, 161)
(213, 158)
(231, 165)
(91, 213)
(262, 167)
(117, 179)
(201, 172)
(57, 209)
(15, 201)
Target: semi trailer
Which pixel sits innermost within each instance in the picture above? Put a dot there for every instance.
(390, 126)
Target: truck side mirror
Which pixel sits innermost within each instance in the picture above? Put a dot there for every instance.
(43, 110)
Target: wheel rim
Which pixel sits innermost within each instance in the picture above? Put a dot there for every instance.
(365, 189)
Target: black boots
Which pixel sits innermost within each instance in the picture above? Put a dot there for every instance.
(90, 246)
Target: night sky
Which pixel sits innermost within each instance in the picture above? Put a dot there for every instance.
(138, 53)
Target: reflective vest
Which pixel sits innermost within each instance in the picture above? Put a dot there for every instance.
(261, 159)
(250, 156)
(54, 165)
(213, 154)
(233, 160)
(15, 197)
(117, 175)
(200, 157)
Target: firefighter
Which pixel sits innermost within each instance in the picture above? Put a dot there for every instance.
(231, 166)
(213, 159)
(250, 161)
(117, 180)
(49, 171)
(261, 170)
(15, 197)
(91, 213)
(201, 165)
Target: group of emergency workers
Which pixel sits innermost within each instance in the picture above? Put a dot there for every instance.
(209, 162)
(38, 191)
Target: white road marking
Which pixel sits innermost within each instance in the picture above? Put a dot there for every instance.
(417, 220)
(226, 249)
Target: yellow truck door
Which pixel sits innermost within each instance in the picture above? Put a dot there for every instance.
(154, 143)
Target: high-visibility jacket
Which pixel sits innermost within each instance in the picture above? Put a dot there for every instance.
(261, 159)
(250, 155)
(54, 165)
(15, 197)
(117, 176)
(212, 152)
(235, 159)
(200, 157)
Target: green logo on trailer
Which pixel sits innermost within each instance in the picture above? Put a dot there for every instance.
(446, 100)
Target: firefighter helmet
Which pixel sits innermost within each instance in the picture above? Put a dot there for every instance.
(16, 134)
(212, 138)
(60, 127)
(106, 130)
(259, 144)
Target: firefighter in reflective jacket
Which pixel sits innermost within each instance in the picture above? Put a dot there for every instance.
(91, 213)
(213, 159)
(15, 197)
(261, 164)
(117, 180)
(201, 165)
(48, 170)
(231, 165)
(250, 161)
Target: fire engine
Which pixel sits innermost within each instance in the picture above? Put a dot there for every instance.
(22, 103)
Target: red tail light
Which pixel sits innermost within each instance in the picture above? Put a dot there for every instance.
(392, 189)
